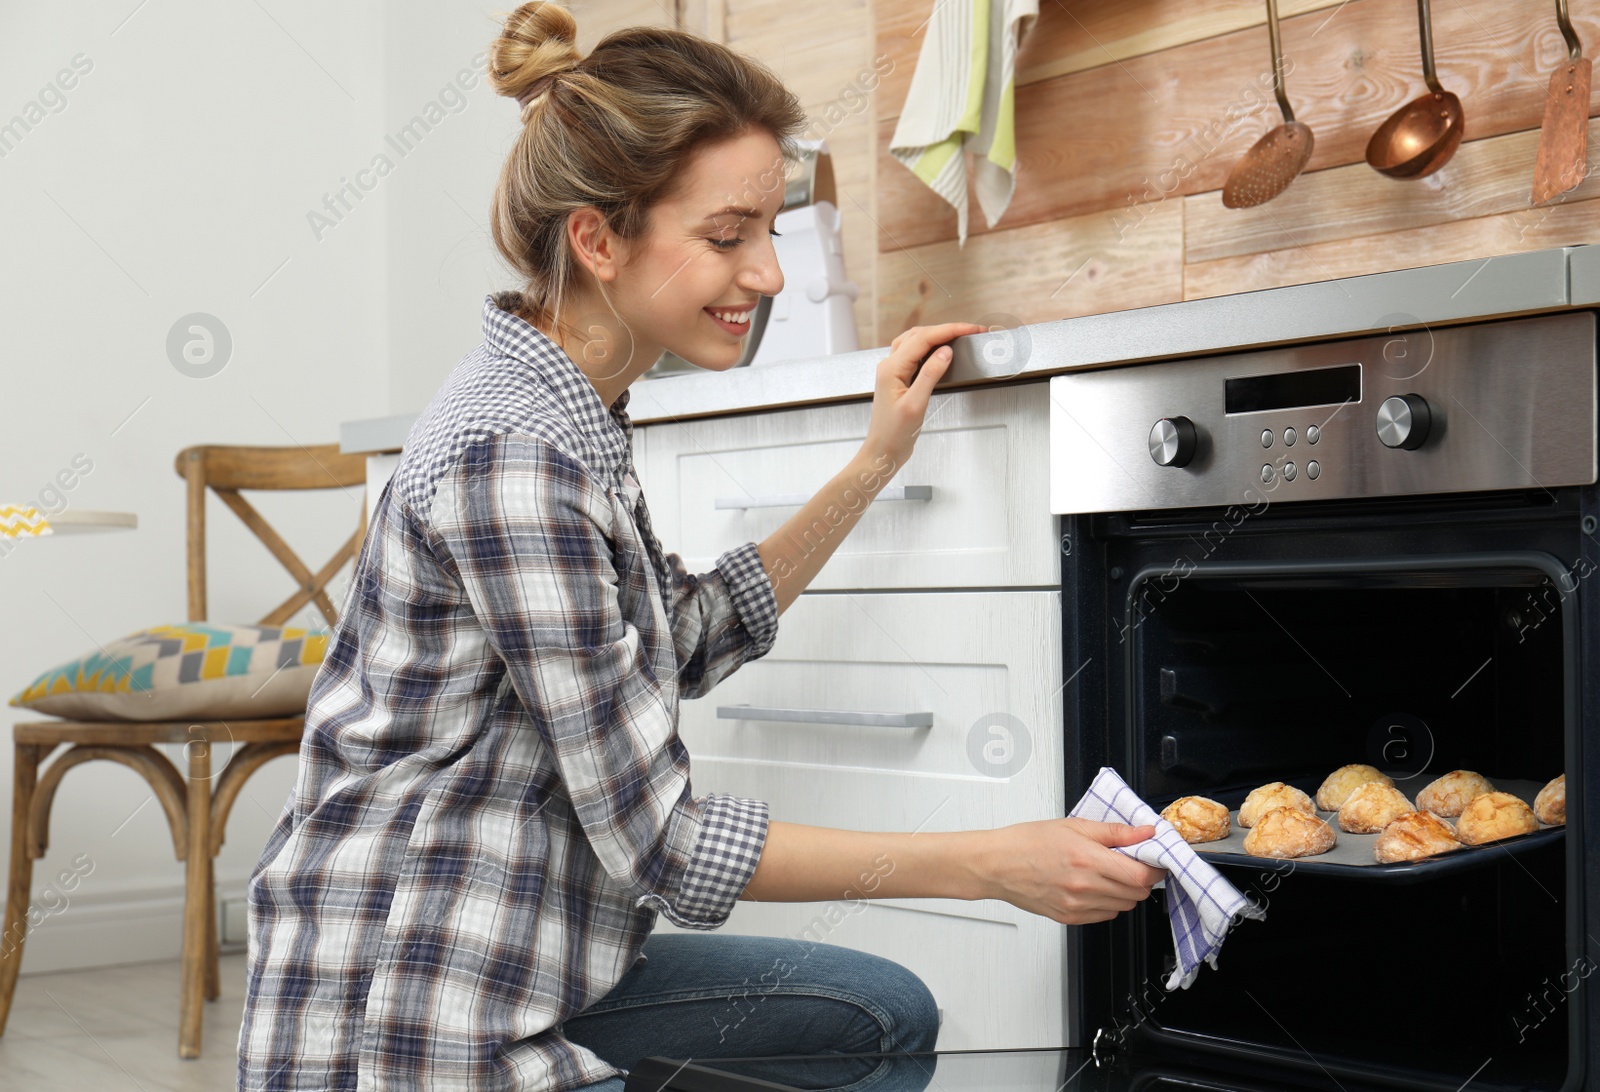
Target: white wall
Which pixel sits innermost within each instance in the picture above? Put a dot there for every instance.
(441, 260)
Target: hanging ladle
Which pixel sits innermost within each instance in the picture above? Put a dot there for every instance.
(1276, 159)
(1564, 134)
(1422, 135)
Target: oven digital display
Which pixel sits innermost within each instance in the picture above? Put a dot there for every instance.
(1292, 390)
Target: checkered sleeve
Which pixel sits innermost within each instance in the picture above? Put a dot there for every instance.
(720, 619)
(726, 852)
(753, 597)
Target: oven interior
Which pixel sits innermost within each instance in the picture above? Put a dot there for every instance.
(1242, 674)
(1285, 677)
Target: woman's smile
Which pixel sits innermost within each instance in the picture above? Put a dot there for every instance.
(721, 315)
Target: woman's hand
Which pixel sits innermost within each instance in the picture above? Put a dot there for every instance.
(900, 398)
(1066, 870)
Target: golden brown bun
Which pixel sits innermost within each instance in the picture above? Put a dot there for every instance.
(1551, 803)
(1274, 794)
(1289, 832)
(1197, 819)
(1343, 781)
(1495, 815)
(1449, 795)
(1371, 807)
(1414, 836)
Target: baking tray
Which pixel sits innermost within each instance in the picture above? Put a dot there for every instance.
(1352, 858)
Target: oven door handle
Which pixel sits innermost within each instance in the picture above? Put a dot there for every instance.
(825, 716)
(792, 500)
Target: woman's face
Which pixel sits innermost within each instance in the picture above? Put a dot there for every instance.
(708, 250)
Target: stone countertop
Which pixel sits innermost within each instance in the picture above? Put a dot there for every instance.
(1440, 295)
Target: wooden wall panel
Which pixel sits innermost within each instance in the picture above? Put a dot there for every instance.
(1576, 221)
(596, 20)
(829, 23)
(1100, 138)
(1078, 266)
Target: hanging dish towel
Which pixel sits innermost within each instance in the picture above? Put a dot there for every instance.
(961, 100)
(1201, 905)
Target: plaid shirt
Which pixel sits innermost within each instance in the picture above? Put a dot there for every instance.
(493, 803)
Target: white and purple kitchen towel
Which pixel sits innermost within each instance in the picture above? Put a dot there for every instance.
(1201, 905)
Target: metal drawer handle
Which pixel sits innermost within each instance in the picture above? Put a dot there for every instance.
(787, 500)
(826, 716)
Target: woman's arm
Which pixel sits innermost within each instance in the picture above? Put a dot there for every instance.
(1063, 869)
(794, 553)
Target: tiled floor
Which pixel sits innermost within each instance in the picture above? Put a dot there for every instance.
(116, 1028)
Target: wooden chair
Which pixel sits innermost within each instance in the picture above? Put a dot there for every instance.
(197, 806)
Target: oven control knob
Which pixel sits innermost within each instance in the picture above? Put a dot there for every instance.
(1172, 441)
(1403, 421)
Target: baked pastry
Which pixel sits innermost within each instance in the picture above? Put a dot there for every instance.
(1371, 807)
(1449, 795)
(1495, 815)
(1289, 832)
(1414, 836)
(1551, 803)
(1274, 794)
(1343, 781)
(1198, 819)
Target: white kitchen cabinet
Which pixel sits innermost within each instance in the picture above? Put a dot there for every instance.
(970, 508)
(977, 678)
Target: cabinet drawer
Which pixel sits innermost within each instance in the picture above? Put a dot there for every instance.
(975, 512)
(893, 711)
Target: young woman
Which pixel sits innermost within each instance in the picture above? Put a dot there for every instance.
(493, 804)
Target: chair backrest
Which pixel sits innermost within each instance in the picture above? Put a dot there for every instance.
(226, 469)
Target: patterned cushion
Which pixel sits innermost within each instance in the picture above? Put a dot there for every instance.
(190, 671)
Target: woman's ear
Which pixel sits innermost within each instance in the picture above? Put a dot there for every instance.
(600, 250)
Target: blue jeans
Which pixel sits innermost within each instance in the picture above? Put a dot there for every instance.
(706, 997)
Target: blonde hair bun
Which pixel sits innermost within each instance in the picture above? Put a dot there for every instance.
(538, 42)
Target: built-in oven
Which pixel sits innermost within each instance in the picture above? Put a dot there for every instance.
(1380, 550)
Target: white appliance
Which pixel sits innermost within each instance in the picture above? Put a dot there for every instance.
(814, 315)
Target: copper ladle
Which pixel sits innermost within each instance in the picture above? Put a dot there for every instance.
(1276, 159)
(1422, 135)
